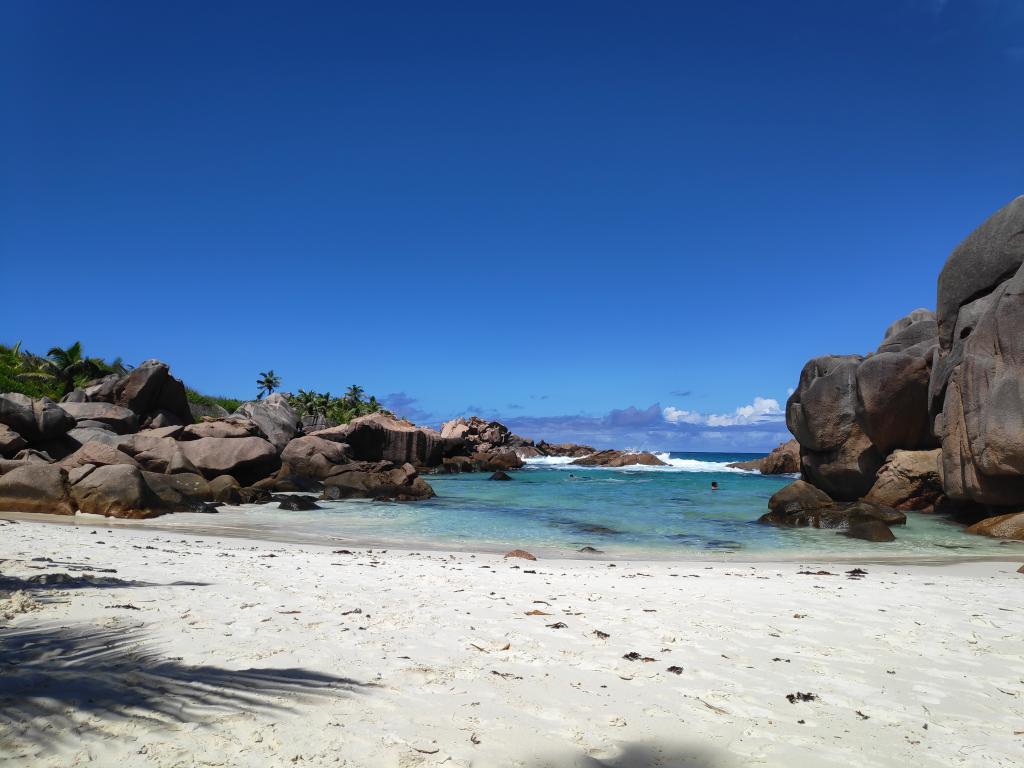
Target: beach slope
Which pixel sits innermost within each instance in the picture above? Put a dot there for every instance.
(130, 647)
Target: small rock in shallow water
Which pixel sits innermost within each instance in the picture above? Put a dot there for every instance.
(870, 530)
(499, 475)
(299, 504)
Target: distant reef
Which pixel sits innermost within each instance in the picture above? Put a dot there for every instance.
(933, 419)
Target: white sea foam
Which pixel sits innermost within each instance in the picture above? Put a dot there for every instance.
(672, 465)
(549, 461)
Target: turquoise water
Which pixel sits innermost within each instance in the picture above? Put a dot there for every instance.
(660, 512)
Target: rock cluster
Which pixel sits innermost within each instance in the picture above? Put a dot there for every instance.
(934, 418)
(478, 445)
(127, 447)
(801, 505)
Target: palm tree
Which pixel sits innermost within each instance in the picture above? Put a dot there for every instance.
(118, 366)
(354, 395)
(64, 367)
(11, 357)
(267, 383)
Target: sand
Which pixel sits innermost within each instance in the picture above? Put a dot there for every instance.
(197, 650)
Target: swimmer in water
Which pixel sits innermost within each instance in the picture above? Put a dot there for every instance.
(714, 486)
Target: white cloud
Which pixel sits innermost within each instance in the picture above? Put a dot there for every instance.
(676, 416)
(762, 409)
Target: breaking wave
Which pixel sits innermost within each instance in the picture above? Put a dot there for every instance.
(672, 465)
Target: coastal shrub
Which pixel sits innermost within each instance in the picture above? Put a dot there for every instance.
(229, 404)
(320, 409)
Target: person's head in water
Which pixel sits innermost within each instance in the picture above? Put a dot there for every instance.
(714, 485)
(572, 476)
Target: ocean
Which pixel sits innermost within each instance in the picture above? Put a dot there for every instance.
(552, 507)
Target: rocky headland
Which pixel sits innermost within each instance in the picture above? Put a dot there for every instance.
(933, 419)
(134, 446)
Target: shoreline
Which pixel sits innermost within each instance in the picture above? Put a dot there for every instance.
(210, 530)
(259, 653)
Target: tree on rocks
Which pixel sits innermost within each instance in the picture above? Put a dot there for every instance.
(267, 383)
(65, 367)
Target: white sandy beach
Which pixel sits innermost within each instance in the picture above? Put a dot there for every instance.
(224, 651)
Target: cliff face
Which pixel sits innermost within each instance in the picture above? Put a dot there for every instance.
(953, 379)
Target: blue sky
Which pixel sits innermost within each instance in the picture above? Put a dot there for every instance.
(624, 223)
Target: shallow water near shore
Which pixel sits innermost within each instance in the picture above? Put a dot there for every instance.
(553, 508)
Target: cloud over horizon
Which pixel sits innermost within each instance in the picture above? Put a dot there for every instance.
(763, 409)
(756, 427)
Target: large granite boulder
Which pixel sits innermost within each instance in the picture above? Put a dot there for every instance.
(822, 411)
(382, 480)
(35, 420)
(612, 458)
(982, 417)
(180, 489)
(97, 454)
(103, 416)
(849, 412)
(798, 496)
(116, 490)
(9, 465)
(313, 456)
(909, 480)
(784, 459)
(10, 441)
(155, 451)
(102, 390)
(221, 428)
(801, 505)
(847, 472)
(377, 437)
(491, 461)
(154, 394)
(36, 487)
(835, 453)
(892, 401)
(839, 515)
(1009, 526)
(83, 435)
(226, 490)
(916, 334)
(475, 430)
(990, 256)
(869, 530)
(247, 459)
(275, 418)
(495, 460)
(571, 450)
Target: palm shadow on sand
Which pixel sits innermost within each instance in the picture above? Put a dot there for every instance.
(650, 755)
(52, 677)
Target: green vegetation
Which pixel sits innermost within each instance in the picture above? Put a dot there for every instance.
(335, 410)
(54, 375)
(267, 383)
(64, 369)
(229, 404)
